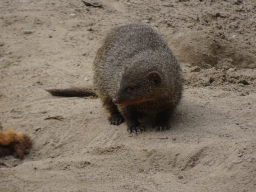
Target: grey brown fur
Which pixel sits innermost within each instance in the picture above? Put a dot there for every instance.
(137, 75)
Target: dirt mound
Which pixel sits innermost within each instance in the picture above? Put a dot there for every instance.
(196, 76)
(206, 50)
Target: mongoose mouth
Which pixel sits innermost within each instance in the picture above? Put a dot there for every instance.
(131, 101)
(127, 102)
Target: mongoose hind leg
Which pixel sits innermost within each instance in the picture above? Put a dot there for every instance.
(131, 117)
(163, 120)
(116, 117)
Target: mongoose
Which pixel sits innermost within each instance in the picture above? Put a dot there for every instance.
(137, 75)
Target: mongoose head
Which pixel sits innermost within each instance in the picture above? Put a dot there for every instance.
(138, 86)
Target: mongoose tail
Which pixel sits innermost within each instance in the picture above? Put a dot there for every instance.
(73, 92)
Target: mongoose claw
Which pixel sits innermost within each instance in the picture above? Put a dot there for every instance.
(136, 129)
(116, 119)
(162, 127)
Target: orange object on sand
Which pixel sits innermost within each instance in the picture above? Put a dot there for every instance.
(14, 143)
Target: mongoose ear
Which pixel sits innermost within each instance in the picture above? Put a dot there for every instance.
(155, 77)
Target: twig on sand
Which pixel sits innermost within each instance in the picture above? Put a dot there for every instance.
(92, 4)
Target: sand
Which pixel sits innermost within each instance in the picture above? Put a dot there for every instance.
(211, 145)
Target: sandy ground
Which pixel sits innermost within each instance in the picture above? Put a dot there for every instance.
(211, 145)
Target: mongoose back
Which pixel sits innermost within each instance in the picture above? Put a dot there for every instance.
(137, 75)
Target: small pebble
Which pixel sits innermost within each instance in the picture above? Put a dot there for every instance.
(86, 79)
(27, 32)
(240, 154)
(145, 21)
(195, 69)
(231, 69)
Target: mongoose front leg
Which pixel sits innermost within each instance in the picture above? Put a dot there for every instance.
(131, 117)
(115, 116)
(162, 120)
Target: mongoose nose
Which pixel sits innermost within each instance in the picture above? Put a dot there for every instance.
(115, 100)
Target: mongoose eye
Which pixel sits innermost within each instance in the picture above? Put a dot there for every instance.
(131, 88)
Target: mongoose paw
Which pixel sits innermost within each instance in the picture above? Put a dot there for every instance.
(135, 129)
(162, 127)
(116, 119)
